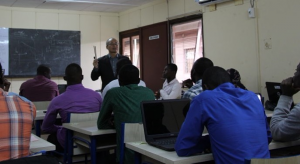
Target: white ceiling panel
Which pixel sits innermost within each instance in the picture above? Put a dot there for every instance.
(7, 2)
(89, 5)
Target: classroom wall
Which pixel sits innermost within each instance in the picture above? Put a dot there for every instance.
(264, 48)
(95, 29)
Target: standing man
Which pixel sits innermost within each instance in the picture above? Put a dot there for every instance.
(171, 87)
(16, 121)
(106, 66)
(40, 88)
(234, 117)
(76, 99)
(197, 71)
(285, 122)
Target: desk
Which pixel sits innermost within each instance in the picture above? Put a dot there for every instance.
(143, 149)
(91, 130)
(40, 144)
(269, 113)
(167, 157)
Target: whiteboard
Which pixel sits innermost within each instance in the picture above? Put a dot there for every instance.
(4, 49)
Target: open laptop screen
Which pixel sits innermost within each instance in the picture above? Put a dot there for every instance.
(164, 116)
(274, 91)
(61, 88)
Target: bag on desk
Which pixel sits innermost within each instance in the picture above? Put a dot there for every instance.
(44, 159)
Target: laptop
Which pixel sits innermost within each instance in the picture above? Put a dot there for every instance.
(274, 91)
(61, 88)
(162, 120)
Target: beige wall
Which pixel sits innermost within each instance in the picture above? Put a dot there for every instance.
(233, 40)
(95, 29)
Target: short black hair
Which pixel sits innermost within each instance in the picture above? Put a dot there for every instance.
(215, 76)
(73, 73)
(129, 74)
(122, 62)
(172, 67)
(42, 70)
(201, 65)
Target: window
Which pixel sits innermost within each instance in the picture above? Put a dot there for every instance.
(131, 47)
(186, 45)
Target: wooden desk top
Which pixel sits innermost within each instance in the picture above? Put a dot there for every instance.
(40, 144)
(89, 128)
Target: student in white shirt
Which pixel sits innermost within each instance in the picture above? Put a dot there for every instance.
(171, 87)
(115, 83)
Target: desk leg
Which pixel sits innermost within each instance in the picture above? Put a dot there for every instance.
(137, 158)
(93, 150)
(38, 128)
(69, 147)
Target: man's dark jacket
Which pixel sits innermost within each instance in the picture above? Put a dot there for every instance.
(104, 70)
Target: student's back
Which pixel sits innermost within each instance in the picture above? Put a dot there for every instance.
(40, 88)
(234, 117)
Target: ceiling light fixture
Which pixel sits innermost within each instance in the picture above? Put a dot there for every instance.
(90, 1)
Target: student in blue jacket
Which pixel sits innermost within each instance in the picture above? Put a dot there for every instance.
(234, 117)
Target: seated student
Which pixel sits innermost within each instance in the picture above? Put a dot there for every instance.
(16, 121)
(40, 88)
(76, 99)
(124, 102)
(285, 121)
(171, 87)
(115, 83)
(234, 117)
(236, 78)
(197, 71)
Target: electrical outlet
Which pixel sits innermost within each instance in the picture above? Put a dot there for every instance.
(251, 13)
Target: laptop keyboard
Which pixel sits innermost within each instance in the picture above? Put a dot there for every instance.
(165, 141)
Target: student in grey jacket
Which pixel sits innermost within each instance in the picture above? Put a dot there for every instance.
(285, 123)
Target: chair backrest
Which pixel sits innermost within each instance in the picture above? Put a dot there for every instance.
(82, 117)
(41, 105)
(134, 132)
(130, 132)
(281, 160)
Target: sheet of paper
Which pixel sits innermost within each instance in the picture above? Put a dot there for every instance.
(33, 138)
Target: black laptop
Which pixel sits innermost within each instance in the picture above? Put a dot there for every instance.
(162, 120)
(274, 91)
(62, 88)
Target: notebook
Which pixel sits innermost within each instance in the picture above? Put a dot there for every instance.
(274, 91)
(162, 120)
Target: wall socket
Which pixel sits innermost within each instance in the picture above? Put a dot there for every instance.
(251, 13)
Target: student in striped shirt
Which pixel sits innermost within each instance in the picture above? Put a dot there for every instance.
(16, 120)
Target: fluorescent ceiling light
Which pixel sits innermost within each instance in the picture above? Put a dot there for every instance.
(90, 1)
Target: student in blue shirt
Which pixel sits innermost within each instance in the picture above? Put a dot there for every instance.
(235, 119)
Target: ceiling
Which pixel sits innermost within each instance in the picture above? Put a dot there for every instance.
(112, 6)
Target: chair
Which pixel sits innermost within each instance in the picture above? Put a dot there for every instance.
(41, 105)
(130, 132)
(83, 143)
(75, 118)
(281, 160)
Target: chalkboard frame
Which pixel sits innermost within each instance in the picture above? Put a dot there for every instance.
(29, 48)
